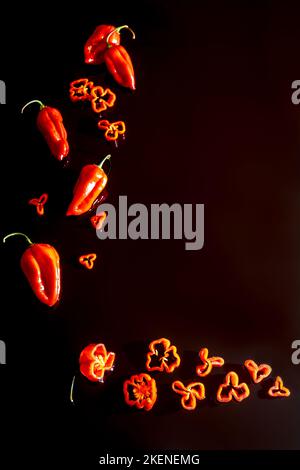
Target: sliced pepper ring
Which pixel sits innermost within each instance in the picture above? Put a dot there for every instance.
(278, 390)
(208, 363)
(257, 372)
(109, 97)
(140, 391)
(189, 394)
(88, 260)
(162, 356)
(39, 203)
(98, 104)
(112, 129)
(80, 90)
(231, 388)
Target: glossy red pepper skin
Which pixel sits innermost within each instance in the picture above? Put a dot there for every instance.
(120, 66)
(91, 182)
(41, 265)
(50, 124)
(96, 44)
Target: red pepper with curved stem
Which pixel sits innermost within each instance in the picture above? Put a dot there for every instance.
(118, 62)
(96, 43)
(91, 182)
(41, 265)
(50, 124)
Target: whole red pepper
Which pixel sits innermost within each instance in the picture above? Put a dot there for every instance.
(119, 63)
(96, 44)
(50, 124)
(91, 182)
(41, 266)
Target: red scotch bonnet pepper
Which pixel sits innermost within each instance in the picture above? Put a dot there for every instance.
(91, 182)
(96, 44)
(118, 61)
(41, 266)
(50, 124)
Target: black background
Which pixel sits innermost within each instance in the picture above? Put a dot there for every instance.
(211, 122)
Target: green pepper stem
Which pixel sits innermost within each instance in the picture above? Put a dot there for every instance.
(118, 30)
(17, 233)
(104, 159)
(33, 101)
(72, 390)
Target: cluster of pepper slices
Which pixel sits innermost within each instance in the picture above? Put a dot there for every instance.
(40, 262)
(140, 390)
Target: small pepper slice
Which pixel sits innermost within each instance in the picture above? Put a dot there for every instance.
(257, 372)
(80, 90)
(278, 390)
(190, 393)
(98, 104)
(112, 129)
(91, 182)
(162, 356)
(208, 363)
(50, 124)
(231, 388)
(88, 260)
(41, 265)
(109, 97)
(140, 391)
(96, 43)
(101, 99)
(39, 203)
(95, 361)
(97, 221)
